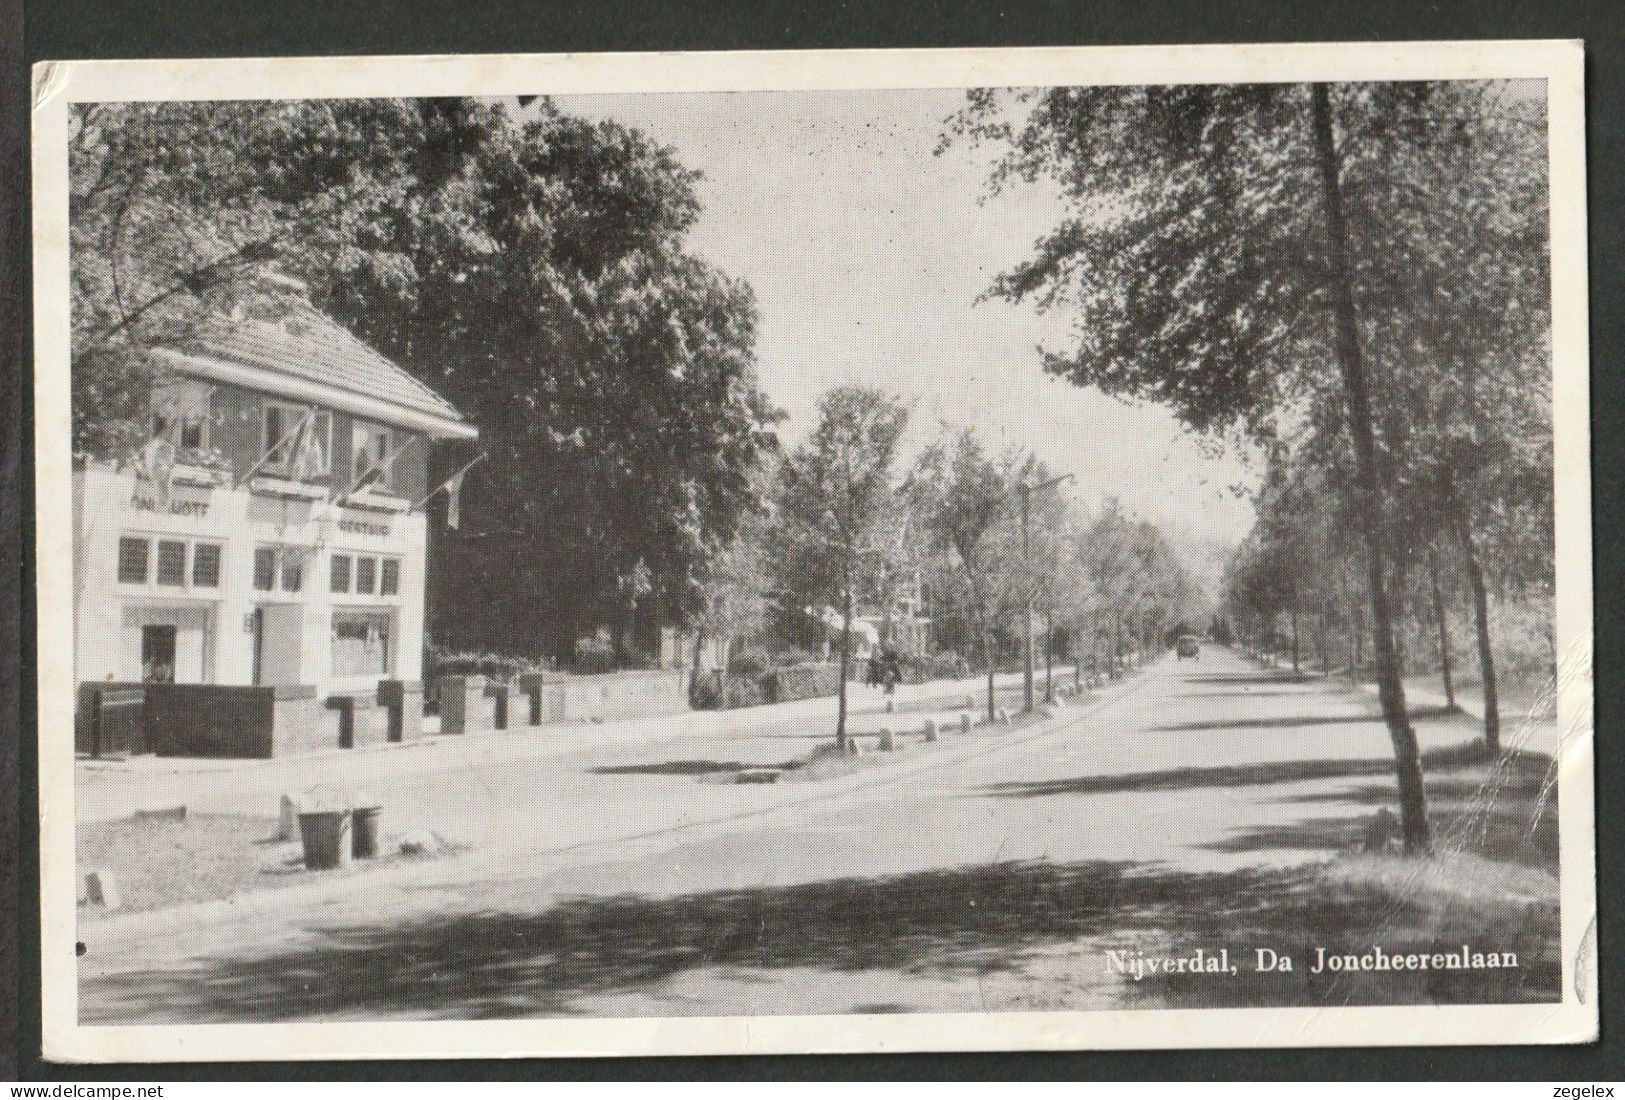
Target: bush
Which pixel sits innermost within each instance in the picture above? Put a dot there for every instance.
(750, 663)
(703, 694)
(495, 666)
(944, 666)
(805, 681)
(737, 691)
(792, 656)
(593, 657)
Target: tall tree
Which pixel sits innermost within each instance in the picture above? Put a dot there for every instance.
(1216, 262)
(837, 504)
(964, 500)
(612, 373)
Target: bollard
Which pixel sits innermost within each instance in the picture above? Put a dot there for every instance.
(503, 711)
(964, 723)
(286, 823)
(530, 685)
(930, 729)
(463, 705)
(888, 742)
(403, 702)
(101, 888)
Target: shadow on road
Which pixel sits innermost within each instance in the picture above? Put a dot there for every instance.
(1249, 693)
(690, 767)
(1292, 720)
(1529, 768)
(973, 922)
(1238, 679)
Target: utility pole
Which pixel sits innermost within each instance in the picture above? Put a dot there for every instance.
(1027, 492)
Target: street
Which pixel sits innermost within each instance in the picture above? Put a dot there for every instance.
(986, 871)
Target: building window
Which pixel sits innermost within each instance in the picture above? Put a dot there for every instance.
(171, 563)
(293, 571)
(132, 560)
(389, 579)
(206, 565)
(303, 443)
(370, 448)
(365, 571)
(135, 560)
(264, 568)
(360, 643)
(180, 414)
(340, 576)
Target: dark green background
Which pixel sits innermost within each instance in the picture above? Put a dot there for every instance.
(61, 29)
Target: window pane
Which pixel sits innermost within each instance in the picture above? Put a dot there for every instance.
(273, 434)
(364, 570)
(206, 565)
(132, 561)
(360, 643)
(171, 562)
(293, 571)
(323, 426)
(389, 581)
(264, 568)
(360, 460)
(341, 573)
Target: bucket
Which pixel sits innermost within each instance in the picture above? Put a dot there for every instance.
(364, 831)
(325, 835)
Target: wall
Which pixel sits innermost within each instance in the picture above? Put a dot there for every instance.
(622, 694)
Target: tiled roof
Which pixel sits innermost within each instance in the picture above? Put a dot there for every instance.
(306, 344)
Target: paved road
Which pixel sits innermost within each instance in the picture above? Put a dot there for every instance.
(984, 871)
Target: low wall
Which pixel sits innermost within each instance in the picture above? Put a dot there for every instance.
(642, 694)
(220, 720)
(467, 704)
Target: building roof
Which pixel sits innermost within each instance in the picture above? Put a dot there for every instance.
(306, 344)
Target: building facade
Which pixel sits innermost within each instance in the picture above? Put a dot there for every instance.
(269, 533)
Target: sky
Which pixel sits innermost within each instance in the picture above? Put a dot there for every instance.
(867, 254)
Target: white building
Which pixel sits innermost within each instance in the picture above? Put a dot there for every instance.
(267, 535)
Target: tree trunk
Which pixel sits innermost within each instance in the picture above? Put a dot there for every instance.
(992, 665)
(1346, 342)
(846, 656)
(1296, 671)
(1486, 655)
(1444, 631)
(1049, 657)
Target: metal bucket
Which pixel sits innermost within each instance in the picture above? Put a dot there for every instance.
(325, 835)
(364, 831)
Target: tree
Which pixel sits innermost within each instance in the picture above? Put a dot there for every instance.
(837, 502)
(552, 299)
(963, 497)
(1216, 262)
(733, 590)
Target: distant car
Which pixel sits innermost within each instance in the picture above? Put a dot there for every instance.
(1189, 646)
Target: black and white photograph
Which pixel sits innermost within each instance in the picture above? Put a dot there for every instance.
(773, 553)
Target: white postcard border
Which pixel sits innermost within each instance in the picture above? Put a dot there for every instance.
(59, 84)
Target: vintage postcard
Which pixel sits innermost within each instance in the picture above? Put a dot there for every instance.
(802, 552)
